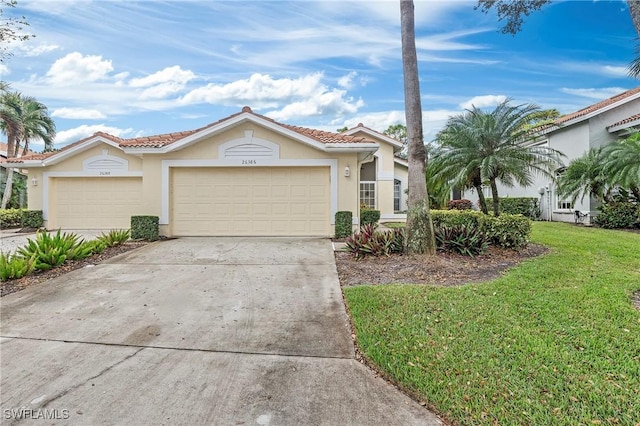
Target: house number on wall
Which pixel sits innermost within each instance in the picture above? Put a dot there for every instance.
(105, 173)
(247, 162)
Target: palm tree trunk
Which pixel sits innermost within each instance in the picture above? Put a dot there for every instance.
(494, 194)
(420, 236)
(634, 10)
(7, 189)
(481, 199)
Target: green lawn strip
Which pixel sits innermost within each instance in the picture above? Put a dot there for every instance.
(395, 224)
(554, 341)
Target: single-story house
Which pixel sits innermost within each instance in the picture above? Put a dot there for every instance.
(245, 174)
(574, 134)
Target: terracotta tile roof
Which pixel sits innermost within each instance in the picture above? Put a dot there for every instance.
(597, 106)
(159, 141)
(625, 121)
(3, 152)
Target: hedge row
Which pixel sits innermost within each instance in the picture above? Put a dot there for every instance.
(506, 230)
(16, 218)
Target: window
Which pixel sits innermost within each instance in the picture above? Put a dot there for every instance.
(368, 194)
(561, 203)
(397, 190)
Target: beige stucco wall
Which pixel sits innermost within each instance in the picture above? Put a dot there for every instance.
(155, 192)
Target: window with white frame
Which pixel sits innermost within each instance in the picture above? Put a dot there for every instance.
(562, 203)
(368, 194)
(397, 192)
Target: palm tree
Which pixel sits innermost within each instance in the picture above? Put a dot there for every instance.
(23, 119)
(420, 237)
(585, 176)
(457, 162)
(494, 147)
(622, 163)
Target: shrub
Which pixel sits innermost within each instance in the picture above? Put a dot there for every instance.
(32, 219)
(526, 206)
(344, 219)
(14, 267)
(620, 214)
(463, 204)
(506, 230)
(462, 239)
(509, 231)
(114, 237)
(145, 228)
(51, 251)
(368, 216)
(10, 218)
(369, 241)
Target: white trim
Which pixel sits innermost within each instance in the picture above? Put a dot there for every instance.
(105, 162)
(58, 157)
(375, 134)
(351, 147)
(401, 161)
(91, 173)
(168, 164)
(249, 140)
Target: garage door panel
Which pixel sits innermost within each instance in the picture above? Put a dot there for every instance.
(251, 201)
(94, 203)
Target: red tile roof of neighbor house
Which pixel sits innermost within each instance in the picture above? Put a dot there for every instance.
(595, 107)
(159, 141)
(3, 152)
(625, 121)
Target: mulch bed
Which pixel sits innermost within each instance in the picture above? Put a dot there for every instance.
(11, 286)
(443, 269)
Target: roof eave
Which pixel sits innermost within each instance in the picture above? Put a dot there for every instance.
(352, 147)
(382, 136)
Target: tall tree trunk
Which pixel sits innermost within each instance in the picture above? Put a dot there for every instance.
(634, 10)
(481, 199)
(7, 189)
(420, 237)
(494, 194)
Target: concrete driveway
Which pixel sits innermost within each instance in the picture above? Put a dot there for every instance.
(216, 331)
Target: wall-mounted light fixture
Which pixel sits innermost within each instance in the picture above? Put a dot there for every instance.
(347, 171)
(34, 181)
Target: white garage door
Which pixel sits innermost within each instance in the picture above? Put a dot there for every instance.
(94, 203)
(255, 201)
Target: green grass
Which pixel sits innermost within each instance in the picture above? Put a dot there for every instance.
(395, 224)
(556, 340)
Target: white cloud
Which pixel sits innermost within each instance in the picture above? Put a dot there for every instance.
(163, 83)
(66, 137)
(327, 103)
(346, 81)
(615, 71)
(173, 74)
(75, 68)
(4, 70)
(592, 93)
(259, 91)
(78, 114)
(483, 101)
(30, 50)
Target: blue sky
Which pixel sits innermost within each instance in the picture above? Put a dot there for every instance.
(134, 68)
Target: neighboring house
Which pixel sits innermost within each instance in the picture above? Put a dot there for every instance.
(591, 127)
(243, 175)
(20, 175)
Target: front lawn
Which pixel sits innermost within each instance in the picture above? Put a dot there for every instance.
(556, 340)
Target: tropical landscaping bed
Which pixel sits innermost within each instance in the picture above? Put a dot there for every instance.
(552, 341)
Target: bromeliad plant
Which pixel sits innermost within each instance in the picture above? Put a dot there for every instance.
(462, 239)
(370, 241)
